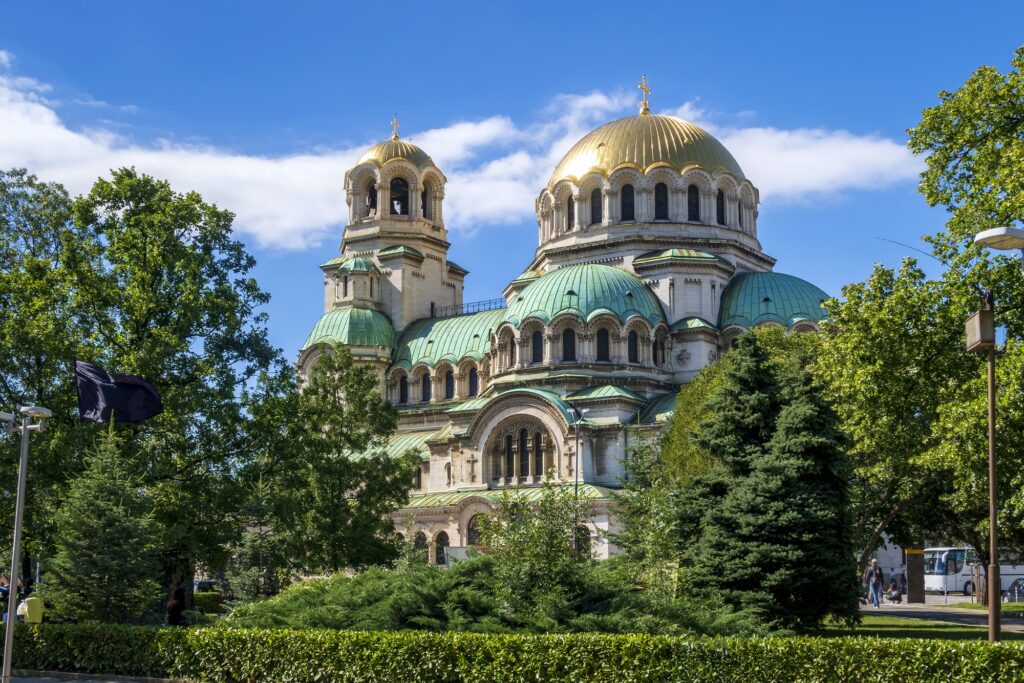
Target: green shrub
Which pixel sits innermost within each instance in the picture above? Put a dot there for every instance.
(210, 602)
(268, 655)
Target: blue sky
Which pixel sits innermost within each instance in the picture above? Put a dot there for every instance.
(262, 107)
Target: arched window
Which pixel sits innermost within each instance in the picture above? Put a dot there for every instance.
(474, 382)
(524, 453)
(595, 207)
(418, 479)
(654, 352)
(632, 347)
(440, 543)
(449, 385)
(371, 199)
(720, 207)
(739, 213)
(425, 387)
(473, 531)
(344, 287)
(626, 203)
(425, 201)
(371, 287)
(448, 474)
(399, 197)
(570, 214)
(512, 351)
(509, 459)
(603, 353)
(403, 389)
(420, 545)
(661, 202)
(538, 456)
(693, 204)
(569, 345)
(537, 342)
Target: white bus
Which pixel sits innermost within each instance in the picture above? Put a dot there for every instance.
(952, 570)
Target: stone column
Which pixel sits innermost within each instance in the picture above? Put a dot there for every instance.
(606, 207)
(415, 200)
(438, 199)
(549, 348)
(383, 200)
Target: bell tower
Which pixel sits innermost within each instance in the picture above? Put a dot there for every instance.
(395, 196)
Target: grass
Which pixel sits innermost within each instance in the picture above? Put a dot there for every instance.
(1007, 606)
(908, 627)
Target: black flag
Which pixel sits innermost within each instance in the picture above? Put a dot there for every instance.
(131, 398)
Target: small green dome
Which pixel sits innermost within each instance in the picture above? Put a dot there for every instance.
(755, 298)
(586, 291)
(352, 327)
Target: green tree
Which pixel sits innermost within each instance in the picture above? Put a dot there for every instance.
(774, 535)
(323, 451)
(166, 294)
(107, 565)
(681, 458)
(42, 330)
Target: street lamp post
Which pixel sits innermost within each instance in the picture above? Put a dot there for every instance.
(28, 413)
(981, 336)
(580, 412)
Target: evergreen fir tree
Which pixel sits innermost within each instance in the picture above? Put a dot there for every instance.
(778, 542)
(107, 566)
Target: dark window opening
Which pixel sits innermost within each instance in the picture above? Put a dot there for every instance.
(403, 390)
(509, 461)
(633, 349)
(524, 453)
(603, 353)
(425, 386)
(371, 199)
(449, 385)
(595, 207)
(425, 202)
(473, 531)
(474, 382)
(399, 197)
(569, 345)
(418, 479)
(739, 213)
(628, 212)
(720, 208)
(538, 456)
(570, 214)
(420, 544)
(538, 346)
(512, 351)
(661, 202)
(693, 204)
(440, 543)
(344, 287)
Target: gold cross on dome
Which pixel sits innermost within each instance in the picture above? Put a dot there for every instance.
(644, 109)
(394, 127)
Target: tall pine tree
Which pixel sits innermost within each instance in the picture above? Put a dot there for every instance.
(107, 566)
(777, 542)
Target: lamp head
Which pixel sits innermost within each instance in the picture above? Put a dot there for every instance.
(7, 417)
(1001, 238)
(38, 412)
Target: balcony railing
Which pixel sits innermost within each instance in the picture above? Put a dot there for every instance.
(466, 309)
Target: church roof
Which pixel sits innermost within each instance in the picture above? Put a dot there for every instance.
(494, 496)
(430, 340)
(692, 323)
(353, 327)
(401, 250)
(659, 409)
(603, 391)
(676, 255)
(755, 298)
(356, 264)
(585, 291)
(395, 149)
(644, 142)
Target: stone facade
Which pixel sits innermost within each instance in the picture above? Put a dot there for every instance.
(648, 265)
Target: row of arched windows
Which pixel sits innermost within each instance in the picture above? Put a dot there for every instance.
(602, 348)
(527, 453)
(582, 541)
(426, 388)
(627, 206)
(399, 198)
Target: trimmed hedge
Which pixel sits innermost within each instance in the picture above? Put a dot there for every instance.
(244, 655)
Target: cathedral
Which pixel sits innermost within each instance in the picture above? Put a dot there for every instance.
(647, 267)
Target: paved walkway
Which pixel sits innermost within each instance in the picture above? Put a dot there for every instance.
(933, 610)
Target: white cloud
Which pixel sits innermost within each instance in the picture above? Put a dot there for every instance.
(494, 166)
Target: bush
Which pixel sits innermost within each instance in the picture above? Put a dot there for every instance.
(267, 655)
(210, 602)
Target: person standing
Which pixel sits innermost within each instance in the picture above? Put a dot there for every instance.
(873, 580)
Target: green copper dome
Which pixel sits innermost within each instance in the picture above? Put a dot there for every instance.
(755, 298)
(430, 340)
(586, 291)
(352, 327)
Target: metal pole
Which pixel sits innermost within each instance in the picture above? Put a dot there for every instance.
(12, 593)
(576, 483)
(994, 585)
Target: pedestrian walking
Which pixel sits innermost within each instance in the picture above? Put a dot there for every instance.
(873, 580)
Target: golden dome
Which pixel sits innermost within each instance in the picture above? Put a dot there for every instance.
(643, 142)
(395, 149)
